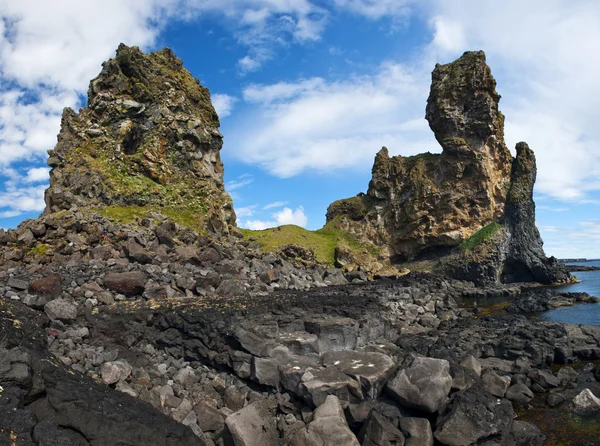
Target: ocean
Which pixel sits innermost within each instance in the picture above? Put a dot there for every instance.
(587, 314)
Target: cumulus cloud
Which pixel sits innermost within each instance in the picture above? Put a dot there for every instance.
(322, 126)
(37, 175)
(14, 202)
(286, 216)
(223, 104)
(246, 211)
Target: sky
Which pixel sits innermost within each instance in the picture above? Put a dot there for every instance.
(308, 91)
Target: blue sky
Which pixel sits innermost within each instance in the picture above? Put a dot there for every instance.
(309, 90)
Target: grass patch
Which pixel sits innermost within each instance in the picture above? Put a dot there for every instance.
(323, 241)
(39, 250)
(480, 236)
(129, 214)
(124, 214)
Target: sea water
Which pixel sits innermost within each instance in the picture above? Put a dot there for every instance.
(586, 314)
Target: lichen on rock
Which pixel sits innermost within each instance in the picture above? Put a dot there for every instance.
(147, 137)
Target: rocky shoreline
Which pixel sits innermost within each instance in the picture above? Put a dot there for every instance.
(393, 360)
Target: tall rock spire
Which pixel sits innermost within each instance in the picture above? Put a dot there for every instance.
(472, 194)
(148, 137)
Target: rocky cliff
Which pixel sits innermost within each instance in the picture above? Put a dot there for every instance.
(148, 138)
(433, 202)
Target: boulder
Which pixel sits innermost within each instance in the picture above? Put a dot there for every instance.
(265, 371)
(113, 372)
(424, 385)
(61, 310)
(328, 427)
(379, 431)
(208, 418)
(519, 393)
(417, 431)
(36, 302)
(137, 253)
(18, 284)
(317, 385)
(586, 402)
(252, 426)
(495, 384)
(129, 283)
(334, 333)
(231, 288)
(473, 415)
(526, 434)
(49, 287)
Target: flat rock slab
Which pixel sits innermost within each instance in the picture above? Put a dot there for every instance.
(424, 385)
(300, 342)
(371, 370)
(334, 333)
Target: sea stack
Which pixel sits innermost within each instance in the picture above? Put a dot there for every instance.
(428, 204)
(148, 138)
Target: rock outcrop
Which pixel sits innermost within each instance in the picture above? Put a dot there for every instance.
(430, 203)
(429, 200)
(148, 137)
(512, 251)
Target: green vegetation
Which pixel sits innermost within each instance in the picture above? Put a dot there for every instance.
(480, 236)
(129, 214)
(39, 250)
(323, 241)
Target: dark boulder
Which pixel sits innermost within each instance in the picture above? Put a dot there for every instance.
(49, 287)
(130, 283)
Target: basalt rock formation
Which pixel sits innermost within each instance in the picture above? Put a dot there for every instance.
(432, 202)
(148, 137)
(514, 251)
(429, 200)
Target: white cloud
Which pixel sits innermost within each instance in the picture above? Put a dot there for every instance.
(14, 202)
(284, 217)
(239, 182)
(37, 175)
(276, 204)
(288, 217)
(547, 74)
(322, 126)
(248, 64)
(246, 211)
(223, 104)
(281, 91)
(376, 9)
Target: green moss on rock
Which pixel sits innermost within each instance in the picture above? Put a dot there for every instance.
(485, 233)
